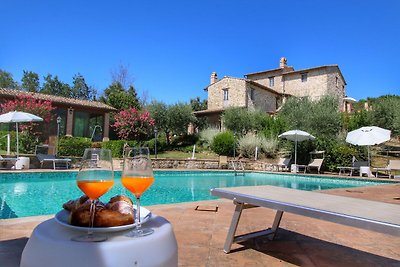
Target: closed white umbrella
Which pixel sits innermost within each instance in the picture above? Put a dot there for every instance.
(368, 136)
(18, 116)
(296, 136)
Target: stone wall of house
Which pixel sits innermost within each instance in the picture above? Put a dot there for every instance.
(314, 87)
(336, 85)
(320, 82)
(263, 79)
(237, 93)
(263, 99)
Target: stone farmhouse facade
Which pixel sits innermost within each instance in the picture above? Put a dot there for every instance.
(267, 90)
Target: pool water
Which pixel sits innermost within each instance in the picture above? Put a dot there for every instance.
(30, 194)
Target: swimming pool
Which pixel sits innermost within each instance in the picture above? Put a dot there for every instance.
(30, 194)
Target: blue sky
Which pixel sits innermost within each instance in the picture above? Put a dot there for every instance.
(171, 47)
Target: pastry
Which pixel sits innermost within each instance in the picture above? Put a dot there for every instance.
(118, 211)
(75, 204)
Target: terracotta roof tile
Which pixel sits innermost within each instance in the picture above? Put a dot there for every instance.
(57, 99)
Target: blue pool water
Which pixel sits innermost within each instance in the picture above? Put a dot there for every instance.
(29, 194)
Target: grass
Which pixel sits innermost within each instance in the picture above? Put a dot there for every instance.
(185, 155)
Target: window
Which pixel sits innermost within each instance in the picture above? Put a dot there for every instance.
(337, 81)
(226, 94)
(84, 124)
(303, 77)
(271, 81)
(252, 91)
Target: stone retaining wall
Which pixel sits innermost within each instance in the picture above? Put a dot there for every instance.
(202, 164)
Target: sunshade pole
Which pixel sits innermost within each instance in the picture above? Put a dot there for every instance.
(16, 129)
(295, 151)
(369, 162)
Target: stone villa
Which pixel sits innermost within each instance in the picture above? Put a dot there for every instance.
(267, 90)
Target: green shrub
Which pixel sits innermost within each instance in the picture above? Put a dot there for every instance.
(247, 145)
(206, 136)
(117, 146)
(340, 155)
(161, 145)
(223, 143)
(237, 119)
(269, 146)
(73, 146)
(184, 140)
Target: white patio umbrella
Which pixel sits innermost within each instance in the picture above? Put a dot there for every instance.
(368, 136)
(296, 136)
(17, 117)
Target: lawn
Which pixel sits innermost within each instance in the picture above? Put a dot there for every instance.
(185, 155)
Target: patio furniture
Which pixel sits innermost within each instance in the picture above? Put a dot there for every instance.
(50, 245)
(394, 165)
(52, 159)
(22, 163)
(365, 170)
(44, 158)
(354, 168)
(314, 164)
(5, 161)
(283, 164)
(365, 214)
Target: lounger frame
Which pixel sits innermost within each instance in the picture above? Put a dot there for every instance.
(243, 199)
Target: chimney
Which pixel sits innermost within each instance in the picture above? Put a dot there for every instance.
(283, 63)
(213, 78)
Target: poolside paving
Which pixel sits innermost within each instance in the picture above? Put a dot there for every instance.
(301, 241)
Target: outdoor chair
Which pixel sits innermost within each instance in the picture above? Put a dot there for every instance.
(283, 164)
(5, 161)
(354, 168)
(314, 164)
(394, 165)
(56, 162)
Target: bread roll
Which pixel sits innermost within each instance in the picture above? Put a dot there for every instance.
(75, 204)
(118, 211)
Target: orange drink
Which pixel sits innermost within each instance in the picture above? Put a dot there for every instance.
(137, 185)
(95, 188)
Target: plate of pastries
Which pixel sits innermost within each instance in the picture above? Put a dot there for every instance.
(116, 215)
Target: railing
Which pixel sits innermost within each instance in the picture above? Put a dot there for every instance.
(8, 143)
(236, 167)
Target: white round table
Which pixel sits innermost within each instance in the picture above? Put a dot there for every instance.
(22, 163)
(50, 245)
(365, 170)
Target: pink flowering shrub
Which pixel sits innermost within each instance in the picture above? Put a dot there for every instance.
(132, 124)
(26, 103)
(29, 131)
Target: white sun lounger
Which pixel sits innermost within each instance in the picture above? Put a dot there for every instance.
(366, 214)
(52, 159)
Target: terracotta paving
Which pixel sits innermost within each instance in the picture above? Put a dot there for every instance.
(301, 241)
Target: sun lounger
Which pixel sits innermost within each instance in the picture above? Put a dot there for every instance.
(394, 165)
(354, 168)
(314, 164)
(283, 164)
(7, 160)
(43, 158)
(366, 214)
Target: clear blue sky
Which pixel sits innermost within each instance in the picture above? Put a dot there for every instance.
(171, 47)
